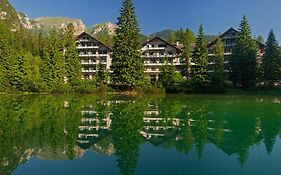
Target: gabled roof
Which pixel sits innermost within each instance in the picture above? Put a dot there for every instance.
(85, 33)
(155, 38)
(215, 40)
(231, 29)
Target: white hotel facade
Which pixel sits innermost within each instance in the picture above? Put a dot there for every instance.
(155, 53)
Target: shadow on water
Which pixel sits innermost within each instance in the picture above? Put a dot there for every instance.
(65, 127)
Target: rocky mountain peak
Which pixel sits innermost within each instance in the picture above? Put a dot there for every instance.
(47, 23)
(107, 28)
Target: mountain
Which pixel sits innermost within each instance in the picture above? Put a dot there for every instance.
(9, 15)
(166, 33)
(107, 28)
(47, 23)
(210, 38)
(162, 34)
(25, 21)
(15, 20)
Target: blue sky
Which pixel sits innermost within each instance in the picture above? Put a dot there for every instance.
(155, 15)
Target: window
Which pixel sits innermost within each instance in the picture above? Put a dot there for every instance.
(103, 52)
(227, 50)
(86, 76)
(162, 45)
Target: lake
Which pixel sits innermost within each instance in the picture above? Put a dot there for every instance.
(176, 134)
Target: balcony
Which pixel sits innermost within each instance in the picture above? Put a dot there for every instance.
(229, 37)
(152, 71)
(88, 71)
(103, 55)
(153, 64)
(87, 47)
(92, 55)
(84, 40)
(161, 64)
(153, 48)
(225, 54)
(88, 63)
(158, 56)
(88, 55)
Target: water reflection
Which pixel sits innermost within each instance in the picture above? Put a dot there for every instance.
(63, 128)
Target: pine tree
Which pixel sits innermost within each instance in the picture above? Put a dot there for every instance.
(218, 77)
(243, 60)
(32, 66)
(271, 66)
(52, 62)
(172, 38)
(127, 64)
(260, 39)
(18, 75)
(72, 61)
(198, 71)
(189, 40)
(6, 57)
(102, 76)
(179, 35)
(169, 78)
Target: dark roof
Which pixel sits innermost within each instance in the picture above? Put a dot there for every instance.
(143, 44)
(85, 33)
(215, 40)
(231, 28)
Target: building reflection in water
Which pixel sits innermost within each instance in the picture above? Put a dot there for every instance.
(52, 128)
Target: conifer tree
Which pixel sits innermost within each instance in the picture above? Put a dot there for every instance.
(260, 39)
(179, 35)
(243, 60)
(218, 77)
(72, 61)
(127, 64)
(169, 78)
(189, 39)
(271, 63)
(172, 38)
(101, 74)
(18, 75)
(32, 66)
(198, 71)
(6, 57)
(52, 62)
(5, 69)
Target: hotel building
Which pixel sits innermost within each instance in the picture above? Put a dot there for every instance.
(156, 52)
(92, 52)
(228, 38)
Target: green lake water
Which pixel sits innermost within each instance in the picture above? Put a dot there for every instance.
(83, 135)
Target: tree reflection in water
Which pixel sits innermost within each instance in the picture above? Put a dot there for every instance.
(59, 127)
